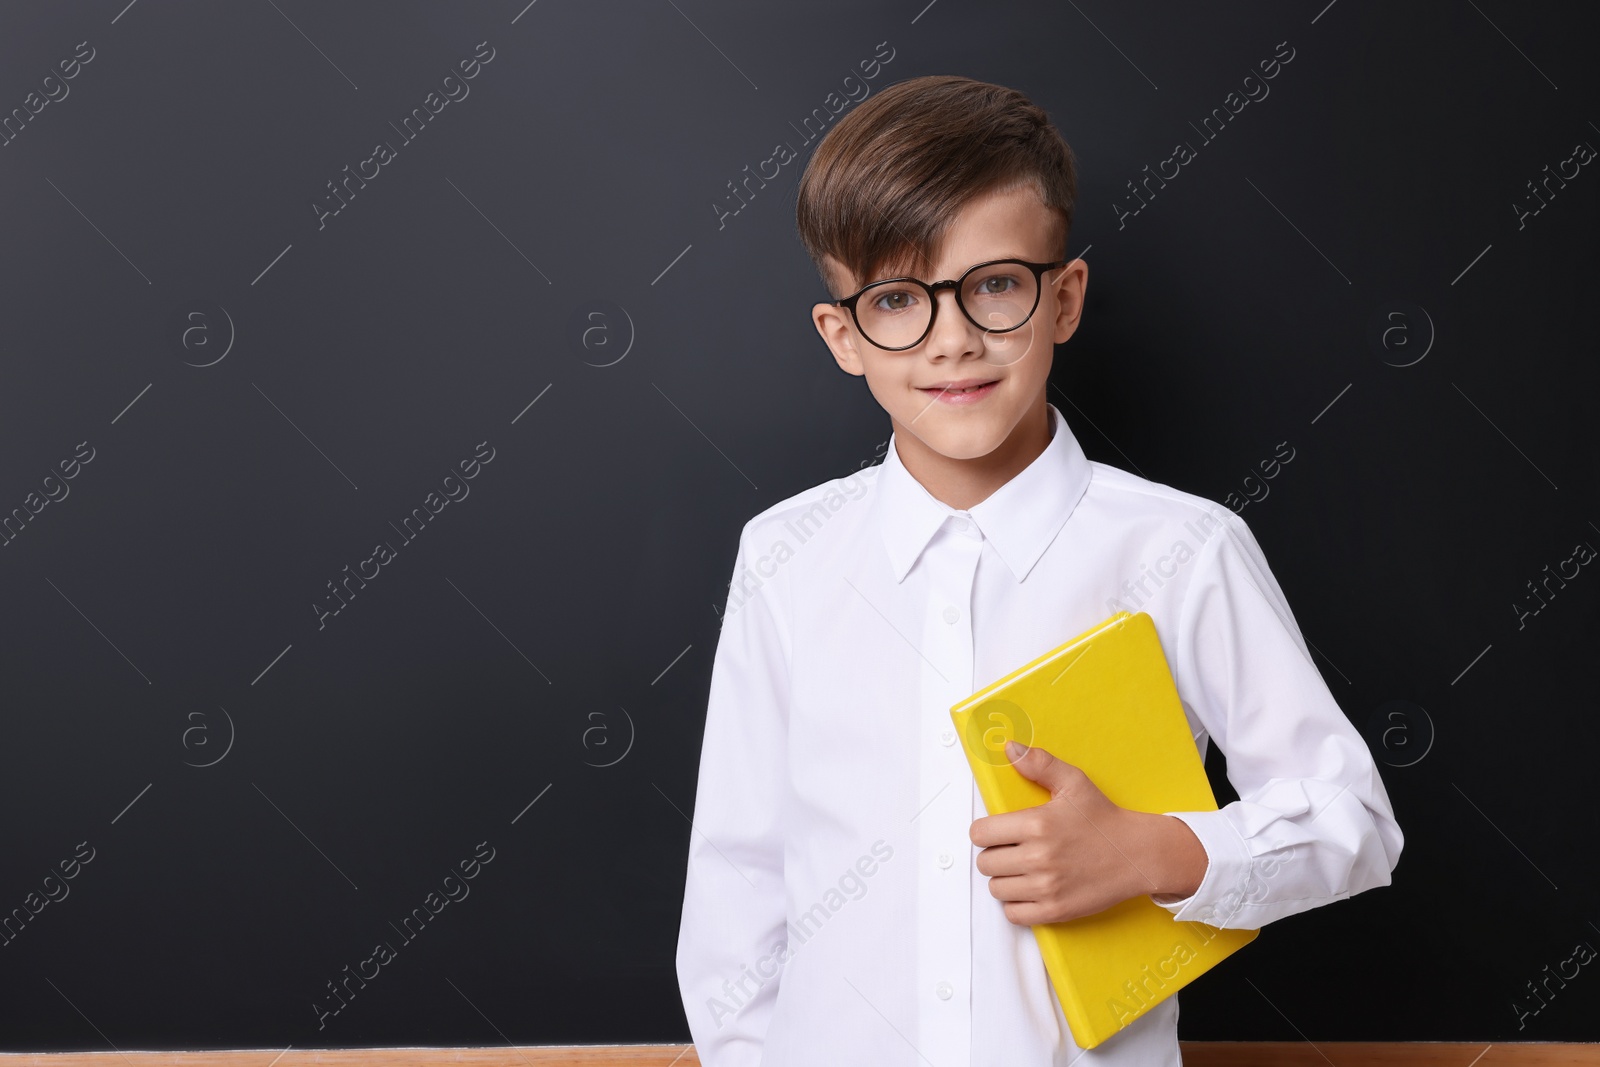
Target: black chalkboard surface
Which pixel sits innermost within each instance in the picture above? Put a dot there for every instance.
(386, 386)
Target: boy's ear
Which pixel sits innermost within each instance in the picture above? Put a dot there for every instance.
(1069, 287)
(835, 326)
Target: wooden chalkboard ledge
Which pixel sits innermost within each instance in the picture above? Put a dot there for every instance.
(1195, 1054)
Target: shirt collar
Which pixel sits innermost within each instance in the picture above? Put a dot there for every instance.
(1019, 519)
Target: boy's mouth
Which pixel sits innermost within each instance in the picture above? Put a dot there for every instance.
(964, 391)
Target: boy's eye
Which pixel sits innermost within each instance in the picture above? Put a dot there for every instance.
(996, 285)
(893, 300)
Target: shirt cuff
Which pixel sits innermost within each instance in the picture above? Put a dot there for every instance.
(1229, 864)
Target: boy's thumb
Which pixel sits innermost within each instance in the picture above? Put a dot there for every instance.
(1043, 771)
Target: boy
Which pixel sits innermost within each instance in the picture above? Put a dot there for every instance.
(848, 899)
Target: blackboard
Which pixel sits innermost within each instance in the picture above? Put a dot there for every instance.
(544, 352)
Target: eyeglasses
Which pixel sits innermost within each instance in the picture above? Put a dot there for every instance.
(997, 297)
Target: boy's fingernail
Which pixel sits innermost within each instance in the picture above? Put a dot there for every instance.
(1016, 750)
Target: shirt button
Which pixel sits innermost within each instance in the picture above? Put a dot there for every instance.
(944, 989)
(951, 614)
(945, 859)
(947, 737)
(961, 524)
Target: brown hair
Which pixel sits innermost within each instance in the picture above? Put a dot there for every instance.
(884, 184)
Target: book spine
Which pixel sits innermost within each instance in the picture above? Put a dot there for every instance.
(1067, 992)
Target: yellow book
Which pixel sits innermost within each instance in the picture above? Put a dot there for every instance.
(1106, 703)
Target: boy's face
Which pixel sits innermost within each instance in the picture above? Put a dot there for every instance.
(915, 386)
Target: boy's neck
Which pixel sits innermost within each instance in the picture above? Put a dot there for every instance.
(964, 483)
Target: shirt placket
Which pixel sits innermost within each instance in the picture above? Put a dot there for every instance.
(944, 971)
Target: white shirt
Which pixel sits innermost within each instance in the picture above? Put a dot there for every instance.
(833, 910)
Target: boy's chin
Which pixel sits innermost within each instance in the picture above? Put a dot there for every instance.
(964, 442)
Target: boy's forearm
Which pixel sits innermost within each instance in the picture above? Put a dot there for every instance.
(1168, 854)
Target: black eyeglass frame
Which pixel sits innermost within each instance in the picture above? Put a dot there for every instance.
(932, 289)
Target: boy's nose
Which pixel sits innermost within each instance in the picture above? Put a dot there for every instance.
(953, 334)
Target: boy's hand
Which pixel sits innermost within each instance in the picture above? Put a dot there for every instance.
(1079, 853)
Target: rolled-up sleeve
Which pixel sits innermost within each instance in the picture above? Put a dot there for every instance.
(1313, 823)
(733, 905)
